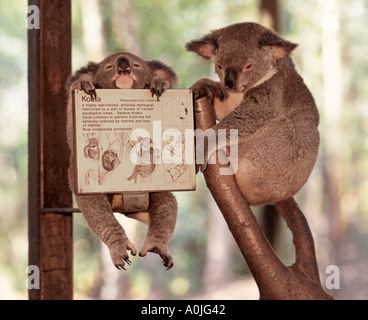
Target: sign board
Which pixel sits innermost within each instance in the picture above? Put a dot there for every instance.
(129, 141)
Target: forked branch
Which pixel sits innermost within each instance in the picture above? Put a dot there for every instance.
(274, 279)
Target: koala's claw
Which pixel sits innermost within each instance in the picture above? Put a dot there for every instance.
(162, 250)
(202, 166)
(92, 93)
(119, 254)
(208, 88)
(157, 93)
(121, 266)
(167, 261)
(87, 86)
(158, 87)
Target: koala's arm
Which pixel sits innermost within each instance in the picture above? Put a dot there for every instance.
(162, 219)
(259, 105)
(164, 72)
(83, 79)
(256, 110)
(209, 88)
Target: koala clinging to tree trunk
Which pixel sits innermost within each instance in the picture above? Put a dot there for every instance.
(124, 70)
(262, 96)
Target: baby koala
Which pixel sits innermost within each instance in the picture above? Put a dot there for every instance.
(124, 70)
(262, 96)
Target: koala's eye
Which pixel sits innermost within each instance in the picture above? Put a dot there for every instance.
(108, 67)
(136, 65)
(219, 67)
(248, 66)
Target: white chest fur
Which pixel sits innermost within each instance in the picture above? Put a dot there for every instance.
(222, 108)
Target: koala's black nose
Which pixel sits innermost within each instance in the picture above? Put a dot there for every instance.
(123, 66)
(230, 78)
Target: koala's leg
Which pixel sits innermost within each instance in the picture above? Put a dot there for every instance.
(162, 219)
(101, 220)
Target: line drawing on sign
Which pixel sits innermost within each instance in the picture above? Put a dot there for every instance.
(106, 151)
(175, 112)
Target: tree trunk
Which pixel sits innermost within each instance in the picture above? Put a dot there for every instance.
(125, 26)
(93, 38)
(219, 250)
(332, 92)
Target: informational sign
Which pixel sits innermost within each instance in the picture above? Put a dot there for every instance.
(129, 141)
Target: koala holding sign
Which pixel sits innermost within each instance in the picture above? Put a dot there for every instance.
(262, 96)
(124, 70)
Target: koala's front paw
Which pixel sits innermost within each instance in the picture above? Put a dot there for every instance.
(87, 86)
(158, 87)
(207, 88)
(119, 253)
(160, 248)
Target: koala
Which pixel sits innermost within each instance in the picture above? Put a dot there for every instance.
(91, 150)
(262, 96)
(124, 70)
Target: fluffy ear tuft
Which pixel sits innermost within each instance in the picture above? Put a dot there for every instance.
(162, 71)
(205, 47)
(280, 47)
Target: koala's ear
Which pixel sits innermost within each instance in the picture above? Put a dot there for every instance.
(278, 46)
(205, 47)
(163, 71)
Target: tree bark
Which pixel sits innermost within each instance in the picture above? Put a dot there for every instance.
(219, 249)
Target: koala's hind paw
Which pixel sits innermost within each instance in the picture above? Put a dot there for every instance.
(161, 249)
(119, 254)
(158, 87)
(208, 88)
(87, 86)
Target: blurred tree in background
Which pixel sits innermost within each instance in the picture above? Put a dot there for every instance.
(13, 149)
(332, 59)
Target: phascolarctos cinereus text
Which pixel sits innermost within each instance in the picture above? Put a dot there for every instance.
(124, 70)
(262, 96)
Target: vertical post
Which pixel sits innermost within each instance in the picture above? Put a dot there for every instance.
(50, 234)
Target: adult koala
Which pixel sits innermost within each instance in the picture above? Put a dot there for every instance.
(124, 70)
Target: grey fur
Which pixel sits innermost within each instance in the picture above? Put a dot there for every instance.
(268, 102)
(97, 209)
